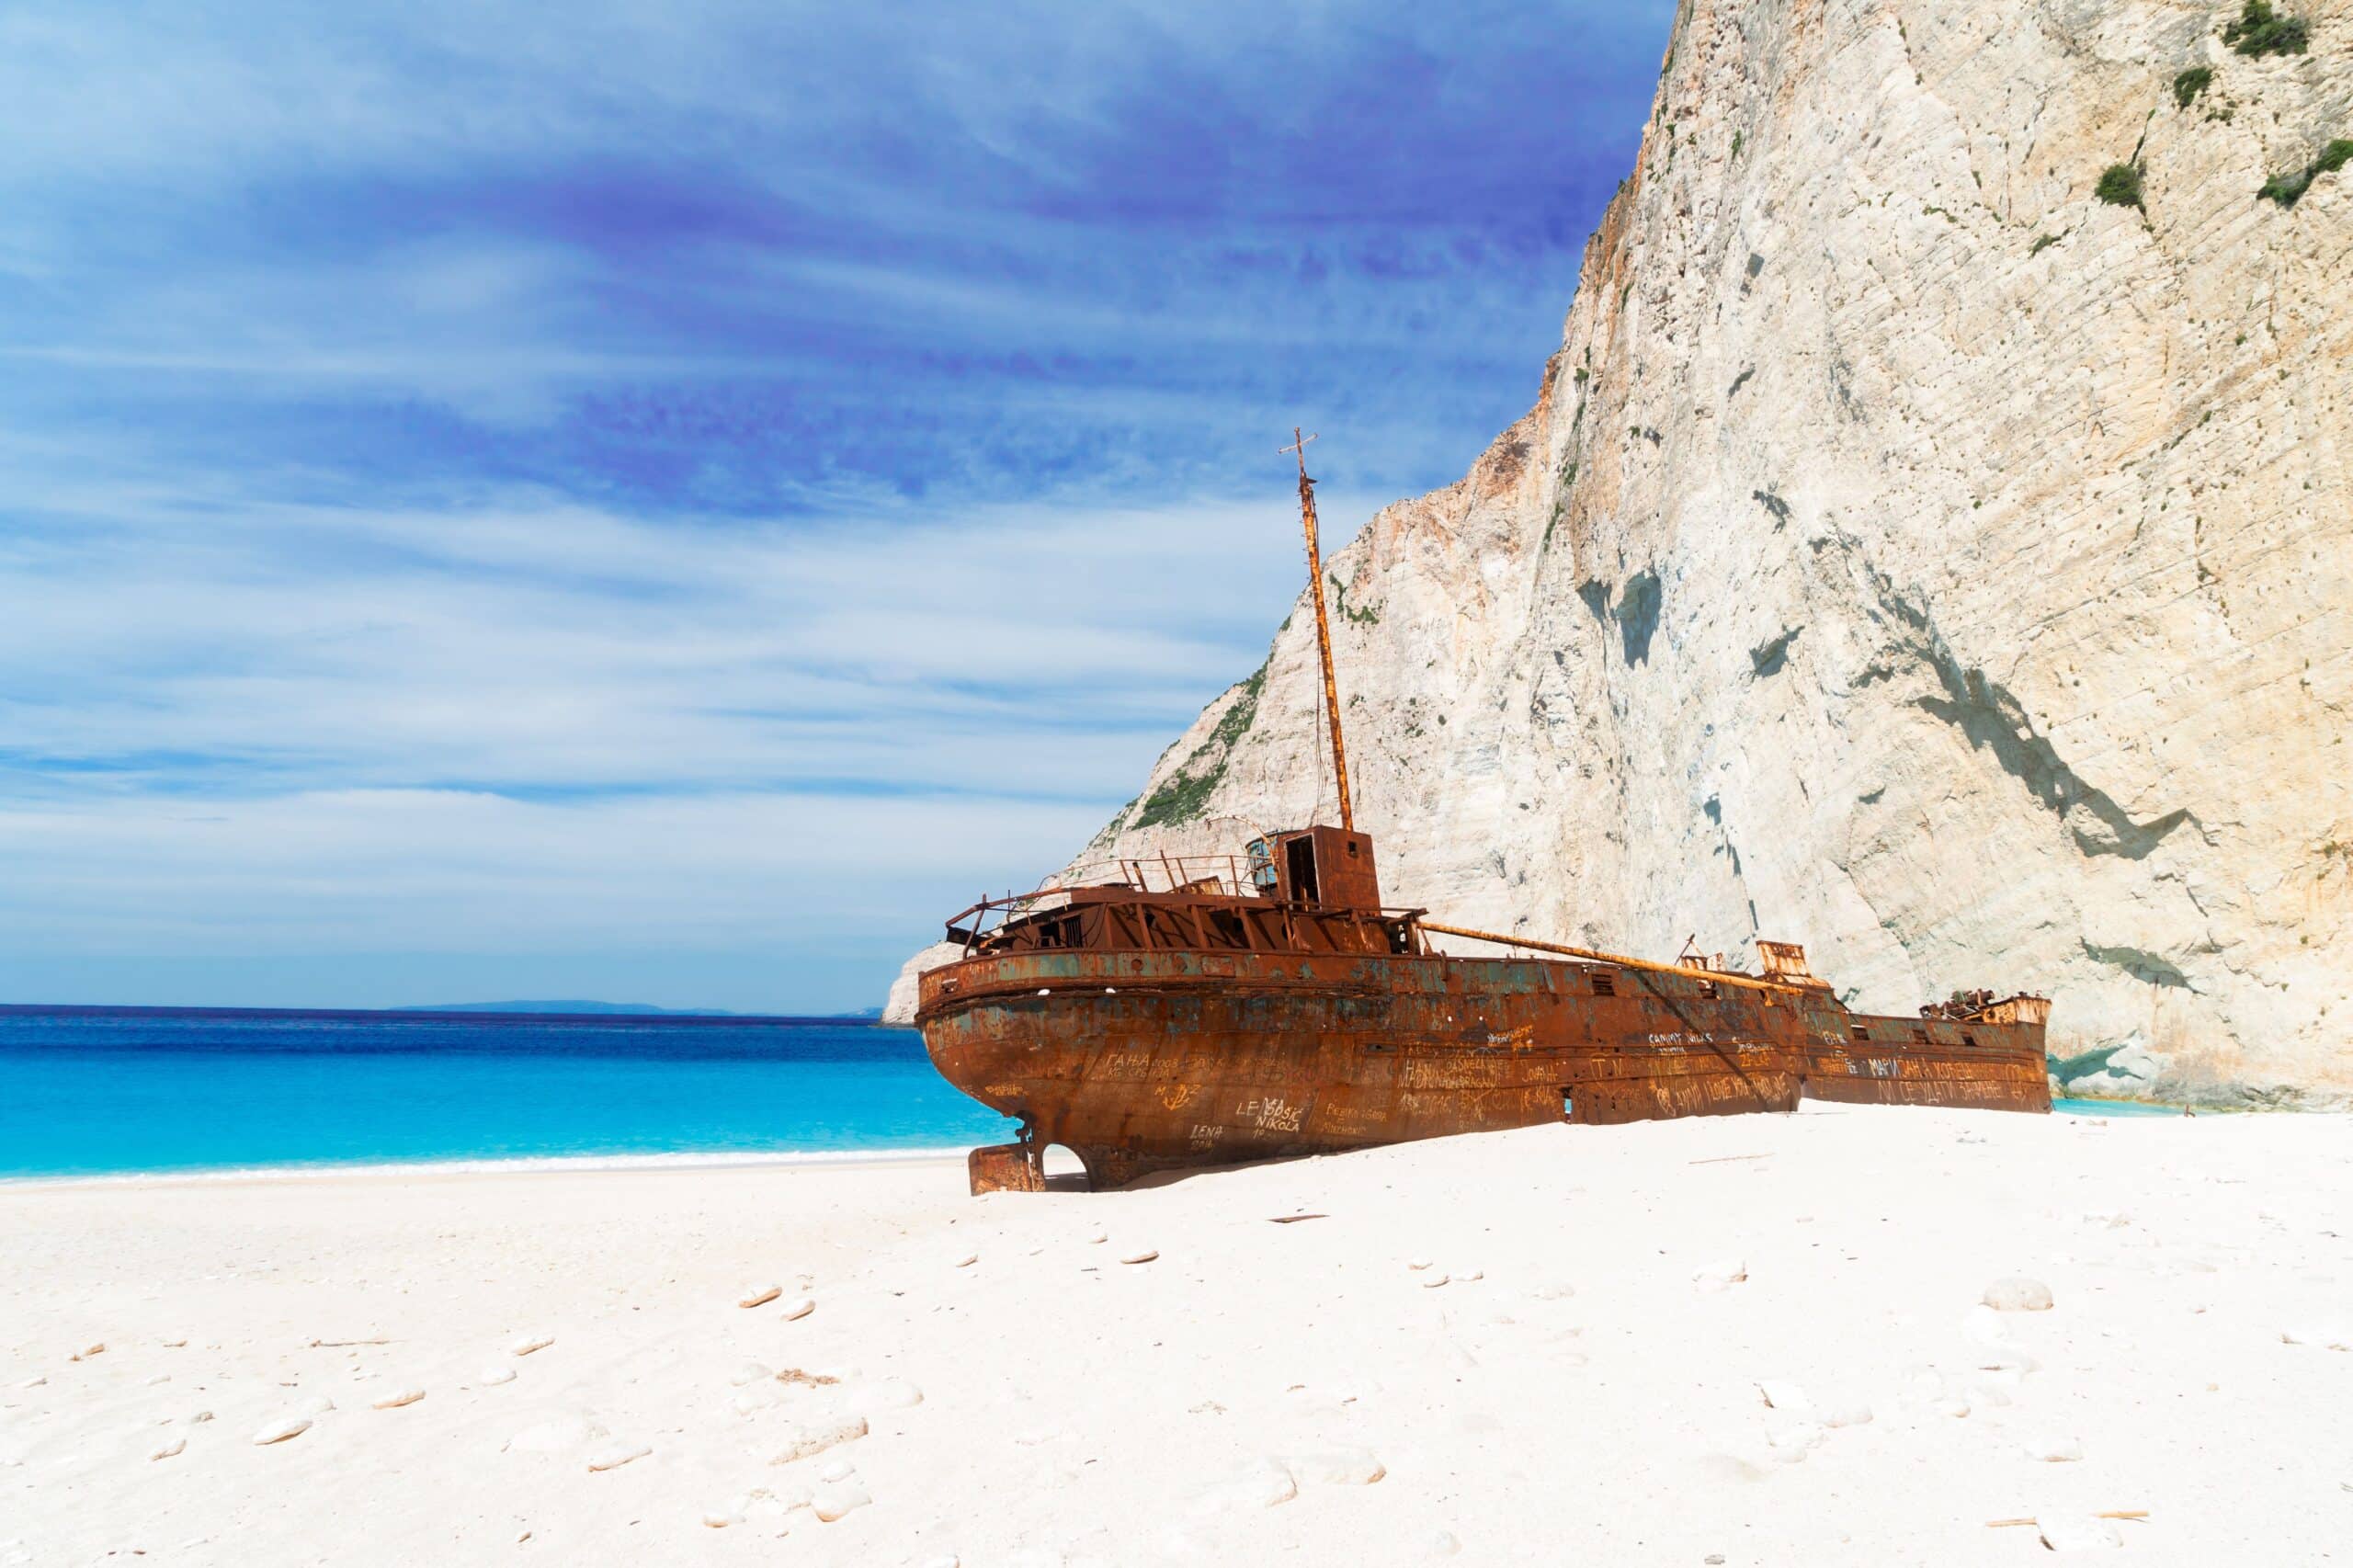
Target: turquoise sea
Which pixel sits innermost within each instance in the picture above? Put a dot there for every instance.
(89, 1092)
(2112, 1108)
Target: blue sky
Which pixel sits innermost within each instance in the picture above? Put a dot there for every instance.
(661, 501)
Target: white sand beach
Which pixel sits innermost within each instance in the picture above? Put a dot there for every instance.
(1750, 1340)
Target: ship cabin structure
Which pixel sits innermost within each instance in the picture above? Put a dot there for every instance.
(1313, 891)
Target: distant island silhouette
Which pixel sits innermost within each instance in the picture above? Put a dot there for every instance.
(578, 1009)
(633, 1008)
(630, 1009)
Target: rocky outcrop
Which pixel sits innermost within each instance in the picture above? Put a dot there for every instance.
(899, 1007)
(1910, 552)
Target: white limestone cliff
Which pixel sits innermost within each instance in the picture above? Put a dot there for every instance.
(899, 1007)
(1908, 553)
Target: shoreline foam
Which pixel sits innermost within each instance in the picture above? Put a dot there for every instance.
(519, 1165)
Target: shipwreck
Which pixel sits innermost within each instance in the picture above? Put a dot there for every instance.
(1159, 1014)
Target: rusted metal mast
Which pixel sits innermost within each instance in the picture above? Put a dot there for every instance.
(1323, 625)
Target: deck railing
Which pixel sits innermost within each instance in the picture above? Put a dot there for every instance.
(1222, 875)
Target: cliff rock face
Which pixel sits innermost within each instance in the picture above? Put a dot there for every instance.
(899, 1007)
(1909, 553)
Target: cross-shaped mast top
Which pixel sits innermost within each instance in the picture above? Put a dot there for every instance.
(1299, 445)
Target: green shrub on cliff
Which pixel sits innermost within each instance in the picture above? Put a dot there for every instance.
(1370, 615)
(2190, 82)
(2120, 186)
(2261, 30)
(1186, 793)
(2287, 188)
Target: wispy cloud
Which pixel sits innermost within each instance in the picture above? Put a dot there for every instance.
(272, 728)
(537, 642)
(492, 473)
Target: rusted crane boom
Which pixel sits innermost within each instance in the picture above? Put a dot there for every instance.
(1715, 976)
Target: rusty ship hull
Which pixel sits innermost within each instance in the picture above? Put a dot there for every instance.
(1141, 1061)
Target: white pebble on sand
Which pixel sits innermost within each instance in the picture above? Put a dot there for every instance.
(395, 1398)
(1786, 1397)
(1432, 1281)
(2053, 1448)
(493, 1376)
(277, 1431)
(720, 1518)
(837, 1470)
(171, 1449)
(613, 1455)
(1139, 1254)
(2016, 1294)
(96, 1348)
(963, 1259)
(760, 1296)
(798, 1308)
(804, 1438)
(1985, 1327)
(890, 1393)
(1720, 1275)
(1848, 1413)
(318, 1405)
(833, 1499)
(749, 1372)
(1441, 1544)
(1418, 1263)
(1255, 1484)
(178, 1342)
(759, 1396)
(529, 1344)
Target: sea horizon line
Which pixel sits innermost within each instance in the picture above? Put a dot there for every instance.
(428, 1013)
